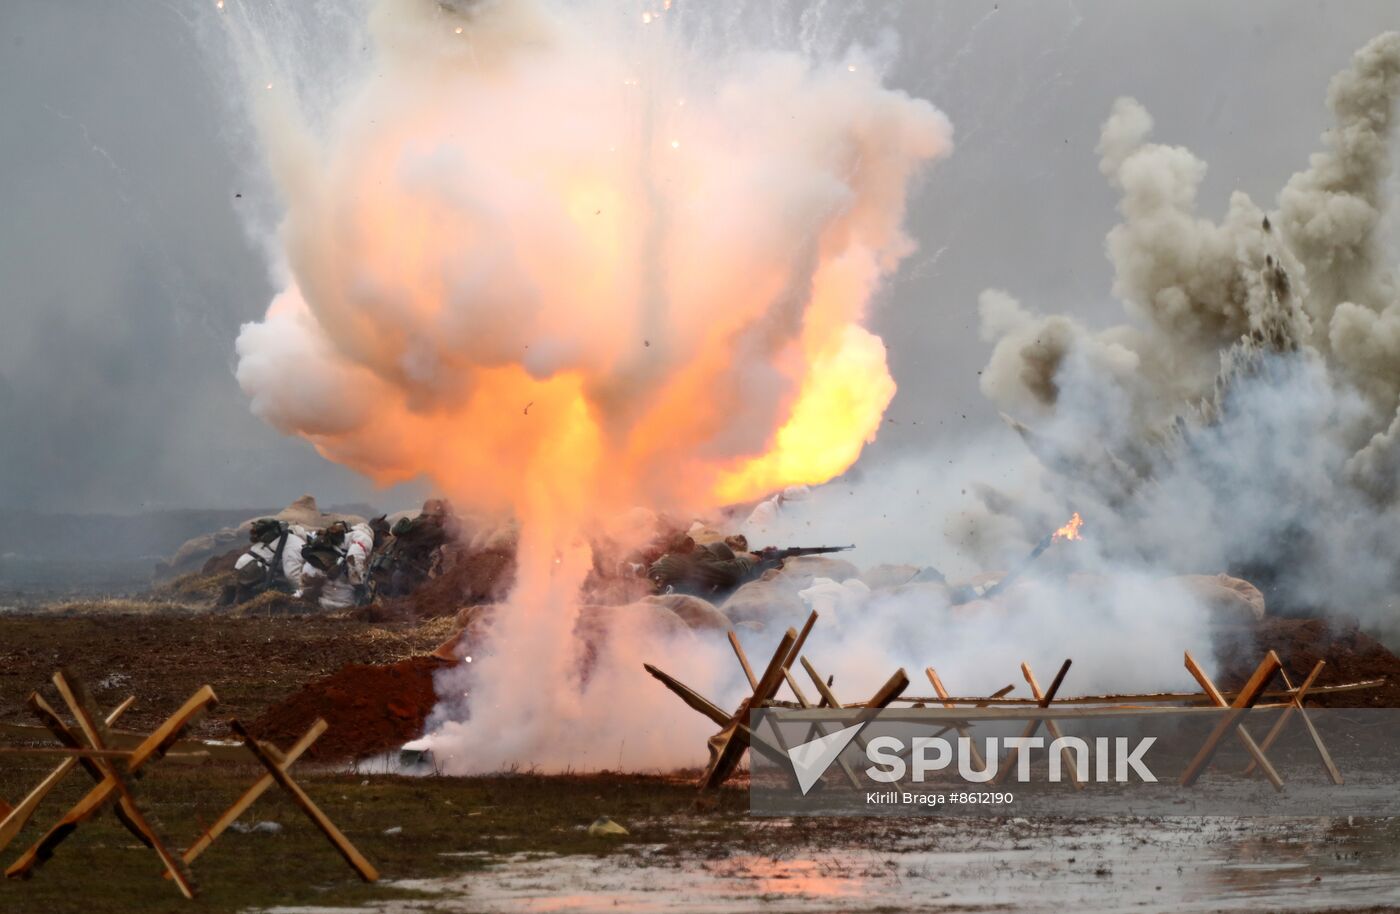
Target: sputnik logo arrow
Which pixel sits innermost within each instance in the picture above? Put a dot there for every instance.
(811, 759)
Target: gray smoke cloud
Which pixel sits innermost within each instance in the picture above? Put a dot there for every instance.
(1244, 416)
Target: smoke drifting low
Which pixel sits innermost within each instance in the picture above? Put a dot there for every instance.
(1245, 416)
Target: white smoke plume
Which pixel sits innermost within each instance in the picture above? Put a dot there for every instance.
(1244, 417)
(559, 262)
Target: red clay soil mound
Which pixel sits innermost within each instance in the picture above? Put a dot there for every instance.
(475, 577)
(1351, 655)
(369, 709)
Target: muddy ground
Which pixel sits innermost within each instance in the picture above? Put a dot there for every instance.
(521, 843)
(163, 657)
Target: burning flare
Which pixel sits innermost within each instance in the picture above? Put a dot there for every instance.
(1070, 531)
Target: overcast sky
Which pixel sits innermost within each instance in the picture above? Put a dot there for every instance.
(125, 271)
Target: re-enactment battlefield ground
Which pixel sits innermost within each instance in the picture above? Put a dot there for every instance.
(520, 840)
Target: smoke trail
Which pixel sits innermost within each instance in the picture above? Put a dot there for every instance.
(560, 263)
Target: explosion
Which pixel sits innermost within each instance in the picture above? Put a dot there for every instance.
(560, 264)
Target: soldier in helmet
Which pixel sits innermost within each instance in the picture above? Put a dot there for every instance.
(712, 571)
(340, 555)
(415, 551)
(272, 562)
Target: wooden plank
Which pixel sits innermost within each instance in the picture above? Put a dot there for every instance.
(796, 689)
(824, 690)
(15, 820)
(800, 642)
(691, 697)
(773, 676)
(821, 731)
(978, 761)
(152, 747)
(1042, 702)
(1150, 697)
(893, 687)
(728, 746)
(342, 844)
(1297, 705)
(1327, 762)
(1246, 698)
(1277, 729)
(251, 795)
(84, 712)
(743, 658)
(702, 704)
(1054, 729)
(127, 740)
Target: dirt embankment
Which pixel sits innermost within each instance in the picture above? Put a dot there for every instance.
(1351, 656)
(162, 657)
(369, 708)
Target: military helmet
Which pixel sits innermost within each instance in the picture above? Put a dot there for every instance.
(436, 507)
(264, 530)
(335, 533)
(322, 556)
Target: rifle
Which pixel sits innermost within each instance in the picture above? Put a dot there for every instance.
(772, 556)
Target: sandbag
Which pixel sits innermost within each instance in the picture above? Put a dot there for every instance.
(770, 599)
(835, 599)
(697, 613)
(802, 570)
(1228, 597)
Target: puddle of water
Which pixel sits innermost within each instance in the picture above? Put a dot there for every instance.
(1107, 867)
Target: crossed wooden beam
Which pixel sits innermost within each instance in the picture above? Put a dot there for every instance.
(114, 772)
(1042, 700)
(112, 781)
(736, 734)
(1246, 698)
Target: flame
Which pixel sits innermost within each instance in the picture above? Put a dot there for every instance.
(1070, 531)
